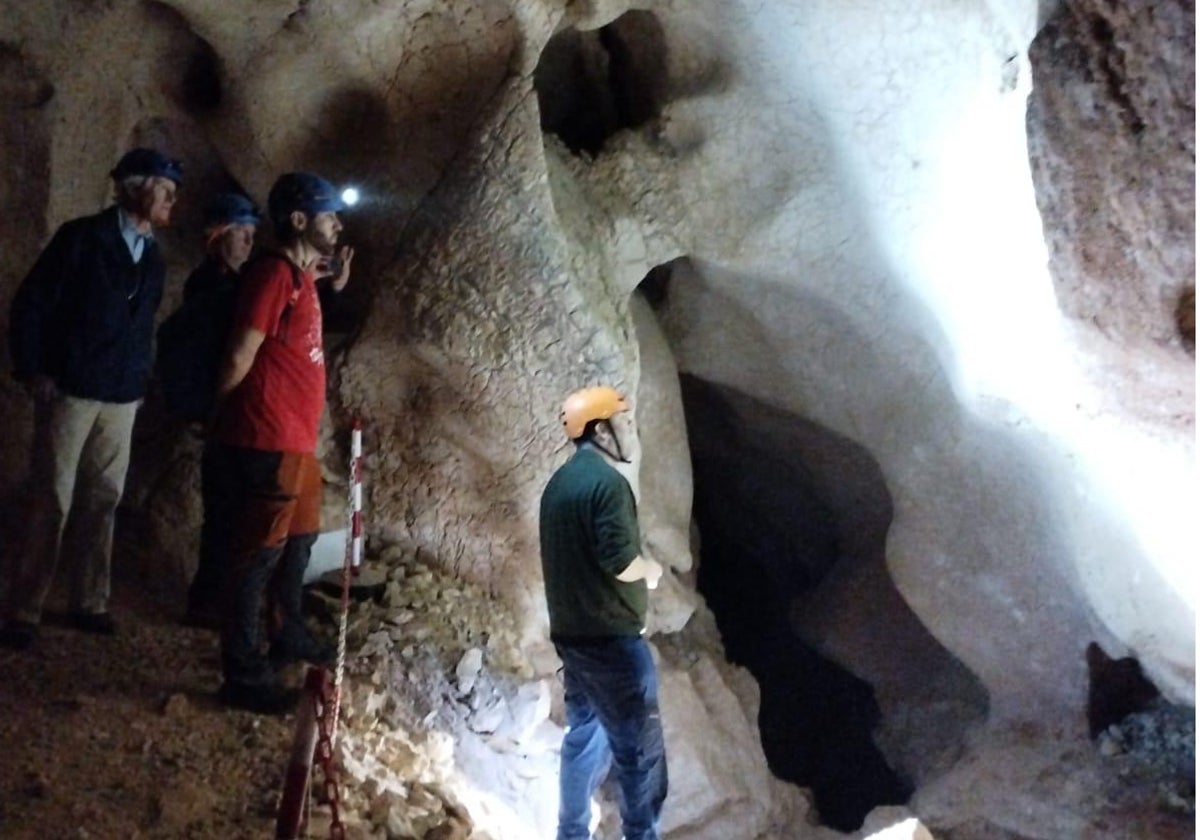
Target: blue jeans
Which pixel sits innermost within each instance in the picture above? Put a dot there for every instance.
(612, 719)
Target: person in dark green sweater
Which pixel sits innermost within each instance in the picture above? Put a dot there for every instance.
(596, 590)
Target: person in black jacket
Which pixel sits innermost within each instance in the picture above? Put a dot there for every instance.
(80, 334)
(230, 223)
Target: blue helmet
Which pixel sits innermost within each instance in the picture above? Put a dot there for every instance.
(302, 191)
(147, 163)
(231, 209)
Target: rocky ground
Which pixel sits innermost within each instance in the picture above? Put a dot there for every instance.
(123, 737)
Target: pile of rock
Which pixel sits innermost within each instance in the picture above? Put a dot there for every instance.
(1158, 745)
(442, 716)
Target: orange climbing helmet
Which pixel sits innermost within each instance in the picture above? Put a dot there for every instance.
(587, 404)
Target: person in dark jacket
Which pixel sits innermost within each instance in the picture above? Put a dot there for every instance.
(80, 335)
(230, 223)
(596, 582)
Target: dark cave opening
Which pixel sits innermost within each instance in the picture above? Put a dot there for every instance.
(767, 537)
(592, 84)
(859, 702)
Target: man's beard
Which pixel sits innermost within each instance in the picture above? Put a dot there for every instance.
(325, 245)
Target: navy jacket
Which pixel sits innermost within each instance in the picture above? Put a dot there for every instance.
(84, 316)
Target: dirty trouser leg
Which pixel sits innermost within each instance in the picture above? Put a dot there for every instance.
(100, 481)
(584, 760)
(61, 427)
(620, 682)
(287, 591)
(270, 480)
(287, 585)
(219, 491)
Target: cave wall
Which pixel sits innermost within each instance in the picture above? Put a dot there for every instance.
(1112, 144)
(865, 253)
(883, 272)
(1111, 126)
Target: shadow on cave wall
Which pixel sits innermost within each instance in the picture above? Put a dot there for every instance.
(24, 193)
(767, 537)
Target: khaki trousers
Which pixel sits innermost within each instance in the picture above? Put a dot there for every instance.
(77, 470)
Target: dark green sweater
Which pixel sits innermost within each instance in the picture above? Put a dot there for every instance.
(589, 535)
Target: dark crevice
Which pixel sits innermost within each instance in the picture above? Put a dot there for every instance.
(1111, 66)
(202, 80)
(1185, 318)
(767, 537)
(637, 71)
(592, 84)
(656, 286)
(1117, 688)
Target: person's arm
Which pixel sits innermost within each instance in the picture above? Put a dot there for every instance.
(243, 348)
(330, 285)
(32, 313)
(642, 569)
(617, 536)
(263, 294)
(341, 262)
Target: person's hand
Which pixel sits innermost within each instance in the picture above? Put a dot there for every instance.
(42, 388)
(653, 572)
(337, 268)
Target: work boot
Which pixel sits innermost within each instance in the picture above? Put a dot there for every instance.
(99, 624)
(260, 698)
(18, 635)
(300, 647)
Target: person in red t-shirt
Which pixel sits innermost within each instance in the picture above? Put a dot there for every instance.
(270, 396)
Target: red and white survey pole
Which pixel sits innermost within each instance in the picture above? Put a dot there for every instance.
(317, 721)
(355, 546)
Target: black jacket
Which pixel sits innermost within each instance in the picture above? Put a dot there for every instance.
(84, 316)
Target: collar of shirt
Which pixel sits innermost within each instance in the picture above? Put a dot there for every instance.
(135, 240)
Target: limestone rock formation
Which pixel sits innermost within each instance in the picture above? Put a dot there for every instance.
(1112, 139)
(966, 458)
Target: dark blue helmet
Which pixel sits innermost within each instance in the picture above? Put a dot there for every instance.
(231, 209)
(147, 163)
(302, 191)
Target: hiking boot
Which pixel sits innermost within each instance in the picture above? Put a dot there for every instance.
(285, 650)
(98, 624)
(260, 698)
(18, 635)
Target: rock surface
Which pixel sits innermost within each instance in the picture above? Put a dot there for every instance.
(851, 189)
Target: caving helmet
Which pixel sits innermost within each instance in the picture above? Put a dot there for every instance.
(147, 163)
(303, 191)
(587, 404)
(230, 208)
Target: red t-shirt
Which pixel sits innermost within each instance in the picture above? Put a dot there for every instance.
(278, 405)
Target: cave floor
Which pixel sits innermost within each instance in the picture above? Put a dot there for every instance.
(124, 738)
